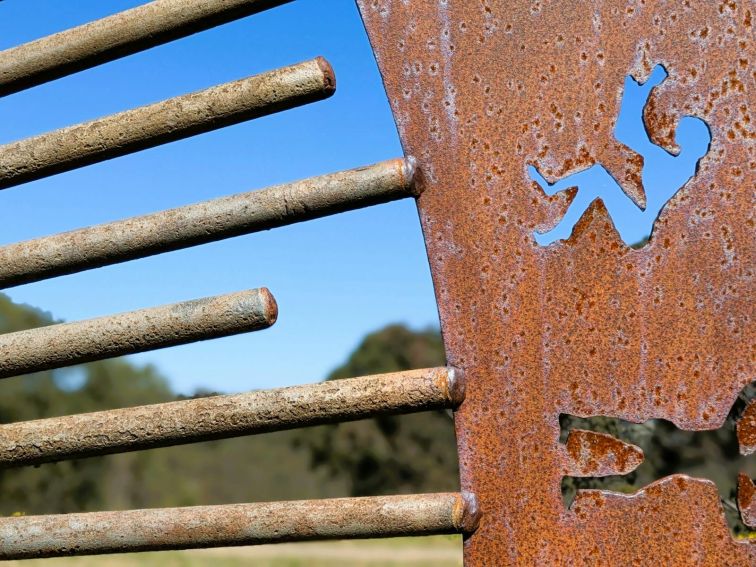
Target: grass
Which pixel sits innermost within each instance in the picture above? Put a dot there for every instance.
(436, 551)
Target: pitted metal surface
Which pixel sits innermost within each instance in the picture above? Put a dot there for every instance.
(588, 326)
(218, 417)
(97, 246)
(746, 429)
(66, 344)
(747, 500)
(588, 453)
(236, 524)
(167, 121)
(116, 36)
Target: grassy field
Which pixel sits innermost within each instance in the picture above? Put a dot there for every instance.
(439, 551)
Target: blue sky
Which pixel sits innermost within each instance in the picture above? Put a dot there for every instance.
(335, 279)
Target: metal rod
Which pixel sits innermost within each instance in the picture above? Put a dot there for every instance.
(97, 246)
(116, 36)
(66, 344)
(218, 417)
(167, 121)
(238, 524)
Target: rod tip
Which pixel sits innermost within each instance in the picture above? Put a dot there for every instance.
(270, 306)
(455, 386)
(467, 513)
(329, 77)
(409, 174)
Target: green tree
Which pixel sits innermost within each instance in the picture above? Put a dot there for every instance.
(391, 454)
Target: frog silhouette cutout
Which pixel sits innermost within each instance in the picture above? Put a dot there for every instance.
(663, 174)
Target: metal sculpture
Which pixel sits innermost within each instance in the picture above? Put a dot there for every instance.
(494, 98)
(481, 90)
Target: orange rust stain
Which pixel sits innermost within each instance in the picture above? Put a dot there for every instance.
(746, 429)
(600, 454)
(747, 500)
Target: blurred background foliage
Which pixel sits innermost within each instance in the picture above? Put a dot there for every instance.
(386, 455)
(414, 453)
(390, 454)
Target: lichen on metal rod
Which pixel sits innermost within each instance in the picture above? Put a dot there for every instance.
(218, 417)
(67, 344)
(167, 121)
(116, 36)
(277, 206)
(237, 524)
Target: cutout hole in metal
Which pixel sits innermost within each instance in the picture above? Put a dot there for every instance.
(664, 174)
(713, 455)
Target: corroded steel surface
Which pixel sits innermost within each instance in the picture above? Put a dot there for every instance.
(746, 430)
(589, 326)
(588, 453)
(66, 344)
(218, 417)
(101, 245)
(747, 500)
(166, 121)
(237, 524)
(118, 35)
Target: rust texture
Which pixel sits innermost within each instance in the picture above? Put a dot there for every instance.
(67, 344)
(238, 524)
(277, 206)
(588, 326)
(747, 500)
(166, 121)
(588, 453)
(218, 417)
(746, 430)
(116, 36)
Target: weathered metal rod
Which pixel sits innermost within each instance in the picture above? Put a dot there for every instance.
(97, 246)
(116, 36)
(66, 344)
(217, 417)
(167, 121)
(238, 524)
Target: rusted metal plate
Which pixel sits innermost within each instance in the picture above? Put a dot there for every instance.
(588, 326)
(747, 500)
(588, 453)
(746, 429)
